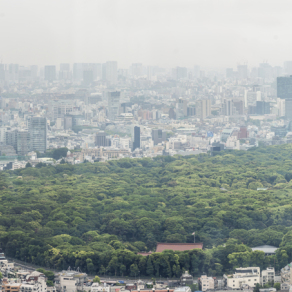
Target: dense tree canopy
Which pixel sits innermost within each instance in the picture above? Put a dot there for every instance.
(98, 216)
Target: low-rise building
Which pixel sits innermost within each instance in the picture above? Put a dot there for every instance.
(207, 283)
(268, 275)
(243, 276)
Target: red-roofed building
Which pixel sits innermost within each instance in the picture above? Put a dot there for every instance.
(178, 246)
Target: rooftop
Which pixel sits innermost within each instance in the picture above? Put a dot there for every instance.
(178, 246)
(265, 248)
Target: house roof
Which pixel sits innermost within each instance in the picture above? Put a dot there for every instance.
(178, 246)
(265, 248)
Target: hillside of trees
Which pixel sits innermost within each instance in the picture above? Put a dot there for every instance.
(98, 216)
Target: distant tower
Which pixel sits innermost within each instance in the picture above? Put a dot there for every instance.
(50, 73)
(113, 98)
(136, 137)
(38, 134)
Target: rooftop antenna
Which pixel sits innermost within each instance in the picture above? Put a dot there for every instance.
(194, 233)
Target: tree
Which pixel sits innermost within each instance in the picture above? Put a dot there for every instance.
(277, 286)
(149, 267)
(257, 288)
(1, 276)
(59, 153)
(134, 270)
(28, 165)
(96, 279)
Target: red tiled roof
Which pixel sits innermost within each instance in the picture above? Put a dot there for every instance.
(178, 246)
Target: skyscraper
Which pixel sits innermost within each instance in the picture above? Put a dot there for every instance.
(136, 137)
(284, 91)
(158, 136)
(180, 73)
(203, 108)
(228, 107)
(113, 98)
(23, 142)
(38, 134)
(262, 107)
(137, 69)
(111, 72)
(197, 72)
(50, 73)
(87, 77)
(242, 71)
(284, 87)
(64, 73)
(102, 140)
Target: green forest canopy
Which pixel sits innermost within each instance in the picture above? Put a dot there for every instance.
(98, 216)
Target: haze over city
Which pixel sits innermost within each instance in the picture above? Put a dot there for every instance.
(213, 34)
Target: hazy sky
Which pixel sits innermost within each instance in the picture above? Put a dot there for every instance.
(219, 33)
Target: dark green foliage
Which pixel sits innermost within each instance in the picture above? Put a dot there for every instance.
(98, 216)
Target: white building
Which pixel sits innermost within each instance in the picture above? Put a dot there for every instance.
(95, 287)
(243, 276)
(67, 281)
(268, 275)
(207, 283)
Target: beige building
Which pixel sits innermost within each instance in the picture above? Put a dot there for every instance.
(203, 108)
(11, 287)
(207, 283)
(243, 276)
(268, 275)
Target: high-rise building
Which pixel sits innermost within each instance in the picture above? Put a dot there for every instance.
(181, 108)
(64, 73)
(13, 70)
(23, 142)
(110, 72)
(197, 73)
(262, 108)
(38, 134)
(11, 139)
(284, 87)
(2, 135)
(2, 72)
(265, 70)
(60, 108)
(180, 73)
(242, 71)
(288, 108)
(50, 73)
(228, 107)
(113, 98)
(77, 71)
(158, 136)
(171, 114)
(34, 72)
(137, 69)
(136, 137)
(102, 140)
(238, 106)
(87, 77)
(203, 108)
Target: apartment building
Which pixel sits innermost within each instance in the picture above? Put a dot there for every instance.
(243, 276)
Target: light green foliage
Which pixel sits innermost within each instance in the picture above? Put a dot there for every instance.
(96, 279)
(98, 216)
